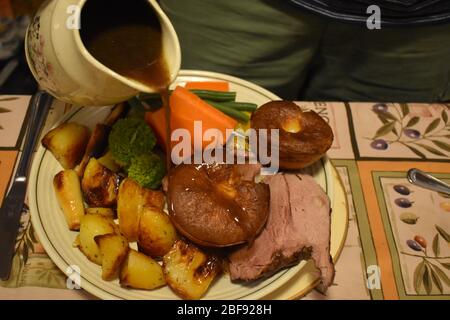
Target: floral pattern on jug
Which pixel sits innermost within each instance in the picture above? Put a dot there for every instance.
(39, 64)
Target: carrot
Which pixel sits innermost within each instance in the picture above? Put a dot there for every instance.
(209, 85)
(157, 120)
(186, 108)
(189, 108)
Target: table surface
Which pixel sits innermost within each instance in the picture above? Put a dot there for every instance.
(375, 145)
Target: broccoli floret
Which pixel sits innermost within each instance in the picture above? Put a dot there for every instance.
(148, 170)
(130, 137)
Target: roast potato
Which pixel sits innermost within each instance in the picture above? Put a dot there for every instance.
(107, 212)
(189, 271)
(96, 146)
(152, 198)
(130, 200)
(304, 137)
(67, 143)
(93, 225)
(113, 251)
(100, 185)
(99, 139)
(141, 272)
(156, 233)
(68, 192)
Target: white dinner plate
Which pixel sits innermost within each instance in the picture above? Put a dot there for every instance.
(51, 227)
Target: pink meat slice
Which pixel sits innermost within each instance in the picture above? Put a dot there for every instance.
(310, 208)
(298, 228)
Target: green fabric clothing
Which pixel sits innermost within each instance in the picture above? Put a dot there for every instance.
(303, 56)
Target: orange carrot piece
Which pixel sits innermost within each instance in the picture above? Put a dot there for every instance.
(157, 121)
(186, 108)
(189, 104)
(209, 85)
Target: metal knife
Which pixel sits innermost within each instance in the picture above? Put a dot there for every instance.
(11, 210)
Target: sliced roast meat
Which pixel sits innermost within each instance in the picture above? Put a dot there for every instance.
(310, 208)
(298, 227)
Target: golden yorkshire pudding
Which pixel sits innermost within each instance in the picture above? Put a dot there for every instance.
(217, 205)
(304, 136)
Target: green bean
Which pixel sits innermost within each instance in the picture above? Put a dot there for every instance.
(219, 96)
(236, 114)
(241, 106)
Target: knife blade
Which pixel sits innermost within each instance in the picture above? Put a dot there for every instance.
(11, 210)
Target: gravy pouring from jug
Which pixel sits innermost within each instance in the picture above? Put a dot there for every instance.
(64, 67)
(126, 36)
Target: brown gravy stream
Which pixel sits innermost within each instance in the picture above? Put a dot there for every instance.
(126, 37)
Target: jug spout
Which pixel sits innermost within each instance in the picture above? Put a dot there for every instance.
(63, 66)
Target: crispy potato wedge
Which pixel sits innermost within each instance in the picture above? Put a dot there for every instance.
(141, 272)
(113, 251)
(68, 192)
(130, 200)
(156, 234)
(189, 271)
(93, 225)
(67, 143)
(107, 212)
(100, 185)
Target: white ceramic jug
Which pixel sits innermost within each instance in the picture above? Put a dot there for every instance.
(65, 69)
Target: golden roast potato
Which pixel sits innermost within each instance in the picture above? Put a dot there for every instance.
(100, 185)
(189, 271)
(93, 225)
(156, 233)
(141, 272)
(130, 200)
(113, 251)
(67, 143)
(107, 212)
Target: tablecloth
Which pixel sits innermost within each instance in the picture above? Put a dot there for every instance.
(398, 241)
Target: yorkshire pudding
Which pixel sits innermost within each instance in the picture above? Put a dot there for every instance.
(216, 205)
(304, 136)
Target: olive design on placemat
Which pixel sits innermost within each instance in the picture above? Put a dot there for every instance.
(399, 127)
(431, 273)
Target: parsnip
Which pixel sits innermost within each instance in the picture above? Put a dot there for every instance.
(68, 192)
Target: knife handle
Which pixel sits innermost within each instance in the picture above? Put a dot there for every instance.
(11, 210)
(39, 104)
